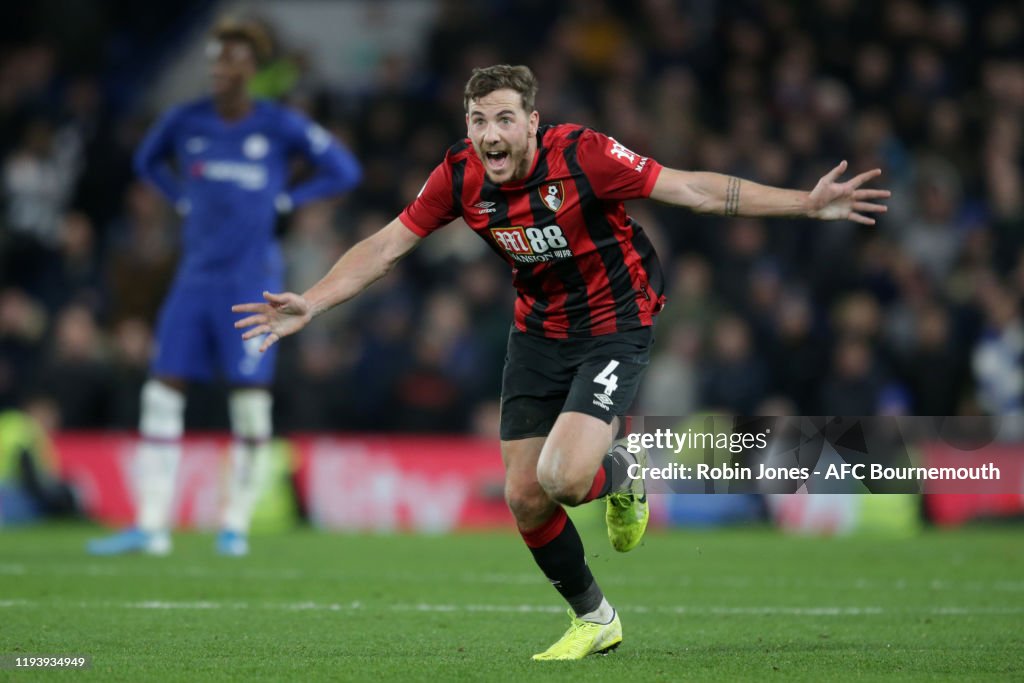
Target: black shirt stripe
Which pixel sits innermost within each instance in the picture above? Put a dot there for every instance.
(577, 305)
(532, 285)
(649, 259)
(602, 232)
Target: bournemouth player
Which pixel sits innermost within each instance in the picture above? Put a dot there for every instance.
(224, 162)
(549, 200)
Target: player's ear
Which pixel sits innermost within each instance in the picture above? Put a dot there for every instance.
(534, 121)
(467, 124)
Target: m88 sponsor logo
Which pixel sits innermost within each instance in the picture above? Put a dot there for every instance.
(533, 244)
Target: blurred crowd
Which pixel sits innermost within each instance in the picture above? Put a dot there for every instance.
(920, 314)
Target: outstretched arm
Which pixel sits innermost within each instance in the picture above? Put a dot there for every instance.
(730, 196)
(358, 268)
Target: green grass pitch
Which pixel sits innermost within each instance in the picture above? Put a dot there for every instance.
(719, 606)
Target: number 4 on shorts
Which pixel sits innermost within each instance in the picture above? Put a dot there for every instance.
(607, 379)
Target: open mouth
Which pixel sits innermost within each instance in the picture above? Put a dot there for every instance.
(496, 161)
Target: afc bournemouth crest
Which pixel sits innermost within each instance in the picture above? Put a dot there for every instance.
(552, 194)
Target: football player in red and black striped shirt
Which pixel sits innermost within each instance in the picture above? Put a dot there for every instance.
(549, 201)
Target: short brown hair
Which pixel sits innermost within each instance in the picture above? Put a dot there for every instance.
(246, 31)
(486, 80)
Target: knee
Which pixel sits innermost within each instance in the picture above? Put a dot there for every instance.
(529, 504)
(250, 412)
(561, 486)
(162, 411)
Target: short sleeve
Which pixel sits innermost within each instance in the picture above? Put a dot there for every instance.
(614, 171)
(434, 207)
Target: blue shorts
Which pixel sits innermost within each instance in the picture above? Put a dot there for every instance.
(196, 338)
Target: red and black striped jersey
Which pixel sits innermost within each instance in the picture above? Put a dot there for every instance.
(581, 266)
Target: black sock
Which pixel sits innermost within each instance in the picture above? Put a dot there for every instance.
(558, 551)
(613, 475)
(616, 465)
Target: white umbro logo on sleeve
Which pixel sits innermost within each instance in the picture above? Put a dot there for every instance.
(485, 207)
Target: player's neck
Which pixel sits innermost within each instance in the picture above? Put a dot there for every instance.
(233, 106)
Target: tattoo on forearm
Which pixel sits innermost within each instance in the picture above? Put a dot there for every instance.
(732, 197)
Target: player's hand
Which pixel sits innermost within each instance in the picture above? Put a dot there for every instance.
(281, 315)
(835, 201)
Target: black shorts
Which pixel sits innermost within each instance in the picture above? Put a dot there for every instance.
(543, 378)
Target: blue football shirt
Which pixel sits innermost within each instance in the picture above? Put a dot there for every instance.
(229, 179)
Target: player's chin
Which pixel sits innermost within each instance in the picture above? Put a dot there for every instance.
(500, 173)
(499, 177)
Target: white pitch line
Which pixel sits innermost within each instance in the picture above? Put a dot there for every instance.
(100, 570)
(690, 610)
(162, 604)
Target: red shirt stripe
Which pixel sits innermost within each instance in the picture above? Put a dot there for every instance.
(563, 229)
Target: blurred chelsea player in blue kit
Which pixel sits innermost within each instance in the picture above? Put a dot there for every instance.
(224, 162)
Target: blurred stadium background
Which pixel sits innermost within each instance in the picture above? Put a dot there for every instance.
(387, 408)
(919, 315)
